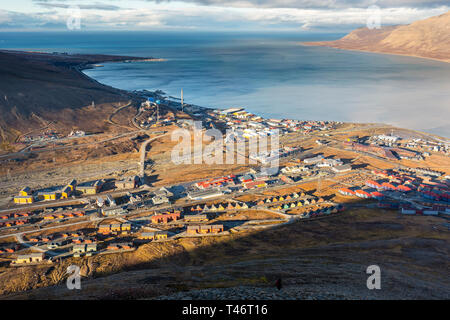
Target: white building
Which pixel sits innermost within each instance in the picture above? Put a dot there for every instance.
(330, 163)
(391, 139)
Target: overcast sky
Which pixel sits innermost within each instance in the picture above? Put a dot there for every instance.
(205, 15)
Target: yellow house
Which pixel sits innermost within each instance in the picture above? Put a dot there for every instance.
(72, 184)
(26, 191)
(160, 235)
(126, 227)
(29, 258)
(87, 189)
(23, 199)
(116, 227)
(46, 196)
(66, 192)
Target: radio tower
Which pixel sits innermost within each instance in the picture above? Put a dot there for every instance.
(157, 113)
(182, 104)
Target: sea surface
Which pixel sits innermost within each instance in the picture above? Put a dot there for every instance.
(270, 74)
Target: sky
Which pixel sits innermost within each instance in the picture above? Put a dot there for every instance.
(209, 15)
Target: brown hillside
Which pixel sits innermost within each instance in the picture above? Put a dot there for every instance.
(429, 38)
(36, 88)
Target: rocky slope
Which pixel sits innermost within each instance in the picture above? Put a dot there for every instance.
(428, 38)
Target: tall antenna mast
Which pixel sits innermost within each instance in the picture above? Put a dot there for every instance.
(182, 102)
(157, 113)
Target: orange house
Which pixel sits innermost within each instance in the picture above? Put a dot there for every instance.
(165, 218)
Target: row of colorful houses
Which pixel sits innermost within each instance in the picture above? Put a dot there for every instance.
(17, 222)
(300, 203)
(64, 215)
(384, 185)
(281, 198)
(220, 207)
(361, 193)
(433, 211)
(216, 182)
(322, 211)
(16, 215)
(434, 192)
(394, 176)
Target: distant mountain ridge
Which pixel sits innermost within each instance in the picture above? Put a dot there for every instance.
(428, 38)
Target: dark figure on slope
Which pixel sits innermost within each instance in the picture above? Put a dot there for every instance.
(278, 284)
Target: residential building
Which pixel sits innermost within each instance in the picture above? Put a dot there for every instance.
(29, 258)
(156, 235)
(23, 199)
(204, 229)
(166, 218)
(196, 218)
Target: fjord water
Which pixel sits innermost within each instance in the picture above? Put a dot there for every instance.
(270, 74)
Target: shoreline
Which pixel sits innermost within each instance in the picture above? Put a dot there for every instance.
(312, 44)
(434, 135)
